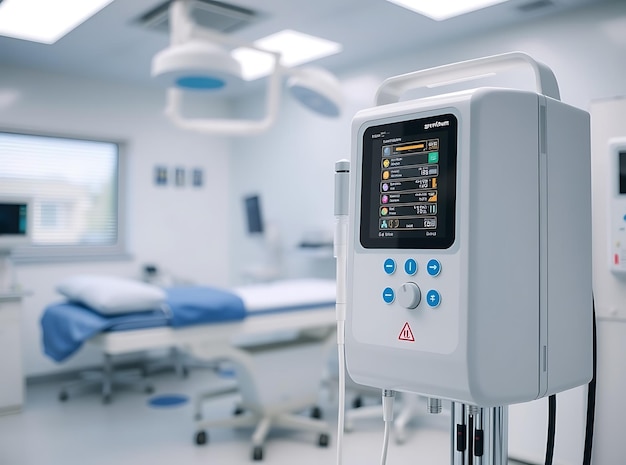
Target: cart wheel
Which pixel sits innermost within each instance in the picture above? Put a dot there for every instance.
(323, 440)
(316, 412)
(201, 438)
(357, 402)
(238, 410)
(257, 453)
(63, 396)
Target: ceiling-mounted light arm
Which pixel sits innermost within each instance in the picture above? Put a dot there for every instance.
(230, 127)
(181, 22)
(183, 29)
(198, 58)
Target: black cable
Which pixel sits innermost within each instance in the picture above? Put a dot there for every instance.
(551, 429)
(591, 397)
(591, 408)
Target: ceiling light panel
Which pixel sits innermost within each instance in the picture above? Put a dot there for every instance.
(45, 21)
(295, 48)
(440, 9)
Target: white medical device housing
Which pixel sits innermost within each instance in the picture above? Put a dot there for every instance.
(617, 205)
(469, 248)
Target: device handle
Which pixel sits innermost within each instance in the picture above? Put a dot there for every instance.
(392, 88)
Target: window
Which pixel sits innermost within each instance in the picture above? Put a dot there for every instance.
(76, 191)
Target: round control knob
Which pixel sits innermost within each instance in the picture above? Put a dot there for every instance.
(409, 295)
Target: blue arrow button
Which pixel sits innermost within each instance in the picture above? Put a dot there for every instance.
(433, 267)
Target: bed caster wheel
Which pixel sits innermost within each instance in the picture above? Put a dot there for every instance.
(149, 390)
(257, 453)
(238, 410)
(357, 402)
(201, 438)
(316, 412)
(106, 399)
(323, 440)
(63, 396)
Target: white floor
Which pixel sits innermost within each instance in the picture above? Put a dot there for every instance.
(83, 431)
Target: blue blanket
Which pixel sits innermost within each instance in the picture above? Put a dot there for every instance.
(67, 325)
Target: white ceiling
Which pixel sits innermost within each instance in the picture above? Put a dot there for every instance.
(113, 46)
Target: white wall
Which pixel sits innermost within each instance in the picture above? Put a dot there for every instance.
(292, 165)
(180, 229)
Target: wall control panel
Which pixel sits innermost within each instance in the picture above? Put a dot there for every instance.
(617, 205)
(408, 217)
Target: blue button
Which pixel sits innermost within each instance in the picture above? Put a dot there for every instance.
(410, 267)
(433, 267)
(390, 266)
(388, 295)
(433, 299)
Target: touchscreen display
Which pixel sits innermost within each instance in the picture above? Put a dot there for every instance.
(408, 191)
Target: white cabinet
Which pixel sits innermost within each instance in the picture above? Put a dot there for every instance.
(11, 376)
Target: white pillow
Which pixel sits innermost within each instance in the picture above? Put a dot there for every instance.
(110, 295)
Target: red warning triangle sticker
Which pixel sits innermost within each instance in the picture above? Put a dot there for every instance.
(406, 334)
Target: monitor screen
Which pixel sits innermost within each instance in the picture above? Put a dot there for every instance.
(15, 227)
(622, 172)
(408, 190)
(13, 219)
(253, 214)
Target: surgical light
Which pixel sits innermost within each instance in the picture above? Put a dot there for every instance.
(316, 89)
(197, 65)
(199, 59)
(440, 10)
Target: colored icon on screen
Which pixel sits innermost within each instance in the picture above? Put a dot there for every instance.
(384, 199)
(385, 187)
(386, 175)
(386, 163)
(384, 211)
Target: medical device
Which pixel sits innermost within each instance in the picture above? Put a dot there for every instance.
(469, 247)
(15, 222)
(16, 214)
(617, 205)
(254, 217)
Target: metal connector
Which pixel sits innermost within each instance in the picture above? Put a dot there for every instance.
(434, 405)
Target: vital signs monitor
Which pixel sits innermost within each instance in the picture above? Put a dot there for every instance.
(469, 241)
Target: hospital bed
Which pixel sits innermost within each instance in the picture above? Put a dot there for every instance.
(290, 310)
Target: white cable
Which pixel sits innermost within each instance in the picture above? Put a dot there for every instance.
(342, 170)
(383, 458)
(388, 397)
(342, 396)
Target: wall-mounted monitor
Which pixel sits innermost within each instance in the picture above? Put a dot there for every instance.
(15, 222)
(254, 216)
